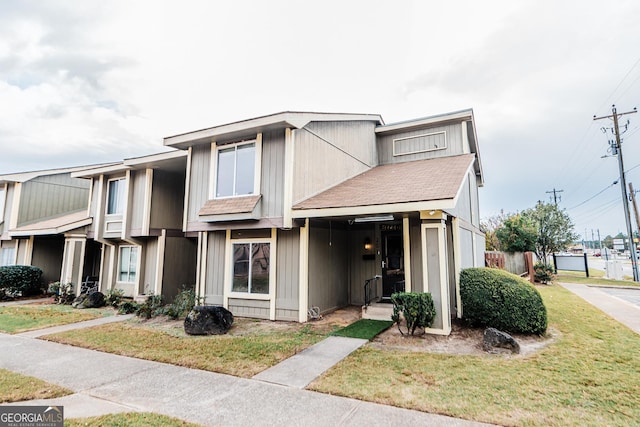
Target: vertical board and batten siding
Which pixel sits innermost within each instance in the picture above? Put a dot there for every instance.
(47, 256)
(466, 249)
(22, 251)
(50, 196)
(360, 269)
(199, 180)
(463, 206)
(454, 144)
(258, 309)
(180, 256)
(214, 279)
(480, 248)
(149, 251)
(93, 207)
(328, 268)
(8, 208)
(138, 183)
(415, 242)
(167, 199)
(287, 274)
(475, 203)
(433, 274)
(318, 165)
(272, 178)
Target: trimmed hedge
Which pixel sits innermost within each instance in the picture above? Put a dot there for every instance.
(496, 298)
(20, 280)
(416, 308)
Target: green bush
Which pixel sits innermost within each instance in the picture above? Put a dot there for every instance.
(543, 273)
(417, 309)
(151, 307)
(20, 280)
(62, 292)
(113, 297)
(128, 307)
(182, 304)
(496, 298)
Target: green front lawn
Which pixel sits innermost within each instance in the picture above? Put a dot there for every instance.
(16, 388)
(129, 419)
(21, 318)
(589, 376)
(364, 328)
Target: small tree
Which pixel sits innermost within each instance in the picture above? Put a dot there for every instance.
(517, 234)
(554, 229)
(489, 226)
(417, 309)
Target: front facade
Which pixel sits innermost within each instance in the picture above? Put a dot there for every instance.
(135, 241)
(293, 212)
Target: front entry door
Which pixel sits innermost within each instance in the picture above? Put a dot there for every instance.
(392, 263)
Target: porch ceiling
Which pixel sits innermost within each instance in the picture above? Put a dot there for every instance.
(403, 184)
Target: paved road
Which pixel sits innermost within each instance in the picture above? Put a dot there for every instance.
(630, 295)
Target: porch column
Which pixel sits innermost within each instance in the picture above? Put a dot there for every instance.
(303, 280)
(457, 262)
(407, 253)
(435, 274)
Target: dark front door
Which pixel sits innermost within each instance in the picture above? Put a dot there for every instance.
(392, 263)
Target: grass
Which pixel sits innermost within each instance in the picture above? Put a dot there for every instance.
(15, 319)
(364, 328)
(596, 277)
(242, 356)
(589, 376)
(129, 419)
(16, 388)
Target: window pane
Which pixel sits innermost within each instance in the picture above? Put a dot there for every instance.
(245, 169)
(133, 264)
(7, 256)
(241, 254)
(123, 275)
(115, 197)
(224, 178)
(260, 268)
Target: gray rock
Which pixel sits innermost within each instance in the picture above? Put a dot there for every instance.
(208, 320)
(92, 300)
(494, 339)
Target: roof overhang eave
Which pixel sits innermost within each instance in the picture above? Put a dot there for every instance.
(391, 208)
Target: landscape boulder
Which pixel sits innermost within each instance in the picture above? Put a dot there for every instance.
(208, 320)
(92, 300)
(494, 339)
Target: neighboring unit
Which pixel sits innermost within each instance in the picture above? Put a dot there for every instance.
(294, 212)
(135, 241)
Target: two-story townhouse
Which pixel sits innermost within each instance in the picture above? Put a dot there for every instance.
(135, 241)
(37, 210)
(295, 211)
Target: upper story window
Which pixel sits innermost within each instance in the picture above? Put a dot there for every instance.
(115, 196)
(2, 198)
(236, 170)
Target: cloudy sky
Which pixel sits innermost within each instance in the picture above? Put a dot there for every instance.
(90, 82)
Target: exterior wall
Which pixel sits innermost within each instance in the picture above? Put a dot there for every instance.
(361, 270)
(328, 268)
(4, 202)
(214, 277)
(23, 252)
(433, 276)
(198, 181)
(249, 308)
(272, 178)
(179, 266)
(137, 191)
(49, 196)
(10, 244)
(466, 249)
(148, 277)
(455, 144)
(93, 206)
(47, 255)
(167, 200)
(415, 237)
(318, 165)
(287, 275)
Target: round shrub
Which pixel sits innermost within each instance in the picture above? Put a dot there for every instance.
(496, 298)
(21, 280)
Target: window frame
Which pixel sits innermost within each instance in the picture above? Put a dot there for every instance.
(3, 200)
(137, 261)
(122, 204)
(257, 166)
(13, 256)
(229, 292)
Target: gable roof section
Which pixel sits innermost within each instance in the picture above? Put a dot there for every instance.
(241, 129)
(53, 226)
(422, 184)
(28, 176)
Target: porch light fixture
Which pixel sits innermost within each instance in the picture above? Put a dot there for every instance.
(374, 218)
(367, 244)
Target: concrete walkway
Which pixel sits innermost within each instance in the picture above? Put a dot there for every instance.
(24, 301)
(106, 383)
(623, 311)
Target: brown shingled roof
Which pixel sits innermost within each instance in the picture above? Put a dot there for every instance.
(416, 181)
(231, 205)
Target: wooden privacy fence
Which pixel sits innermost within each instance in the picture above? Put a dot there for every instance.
(520, 263)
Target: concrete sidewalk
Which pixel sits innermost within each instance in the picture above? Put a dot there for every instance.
(78, 325)
(107, 383)
(623, 311)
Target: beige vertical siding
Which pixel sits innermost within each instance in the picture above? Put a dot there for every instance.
(138, 188)
(199, 180)
(328, 268)
(149, 262)
(272, 178)
(453, 142)
(179, 266)
(167, 200)
(249, 308)
(433, 274)
(49, 196)
(318, 165)
(47, 256)
(466, 248)
(214, 281)
(287, 274)
(417, 277)
(8, 208)
(361, 270)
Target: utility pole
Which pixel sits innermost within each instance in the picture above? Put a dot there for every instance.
(623, 182)
(555, 195)
(635, 210)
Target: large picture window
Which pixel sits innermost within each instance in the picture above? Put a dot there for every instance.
(128, 264)
(115, 196)
(7, 256)
(236, 170)
(251, 267)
